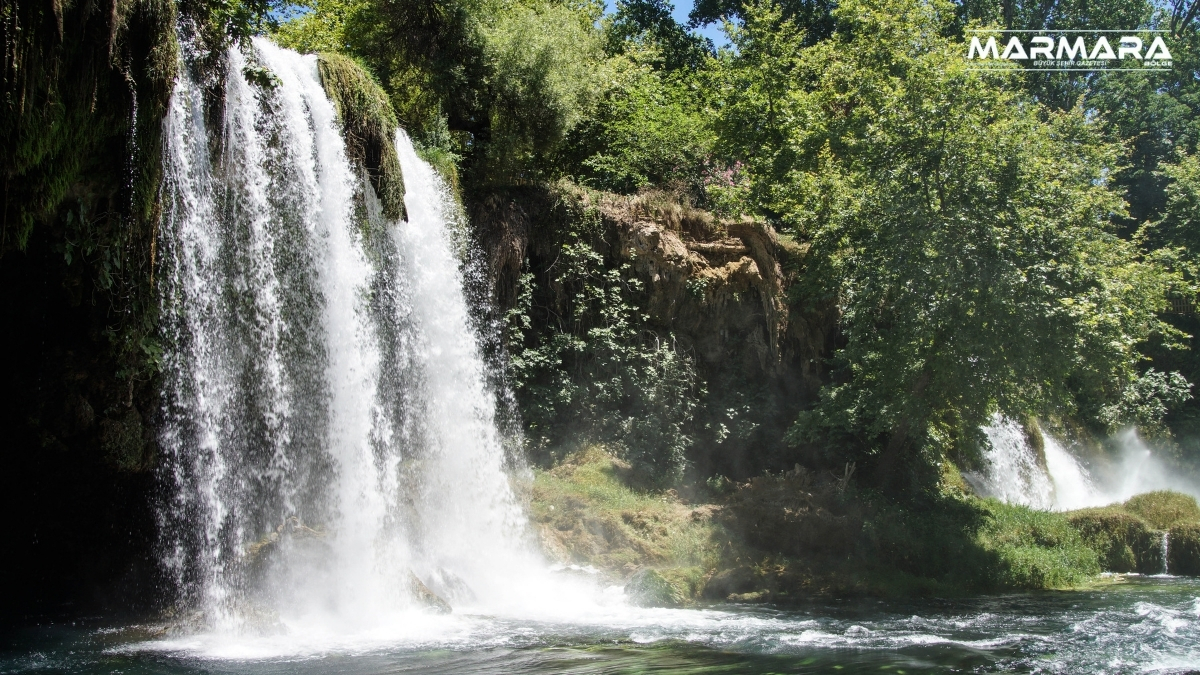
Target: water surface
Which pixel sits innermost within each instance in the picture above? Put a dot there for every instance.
(1141, 625)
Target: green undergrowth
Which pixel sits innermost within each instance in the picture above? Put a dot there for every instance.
(586, 512)
(788, 537)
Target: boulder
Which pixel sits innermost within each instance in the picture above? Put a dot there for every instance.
(737, 580)
(649, 588)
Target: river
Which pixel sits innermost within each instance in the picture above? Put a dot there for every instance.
(1133, 625)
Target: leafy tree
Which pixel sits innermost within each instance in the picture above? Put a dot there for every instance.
(649, 128)
(961, 227)
(649, 23)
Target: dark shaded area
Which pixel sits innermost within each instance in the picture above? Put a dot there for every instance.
(74, 470)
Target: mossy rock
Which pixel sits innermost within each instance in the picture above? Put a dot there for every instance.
(1184, 550)
(1122, 541)
(1164, 508)
(664, 588)
(368, 126)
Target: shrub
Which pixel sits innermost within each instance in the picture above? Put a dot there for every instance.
(1164, 508)
(1123, 541)
(1184, 550)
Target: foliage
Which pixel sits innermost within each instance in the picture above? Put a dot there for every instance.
(368, 124)
(1180, 222)
(1162, 509)
(961, 227)
(1122, 540)
(648, 24)
(545, 66)
(321, 29)
(1037, 549)
(1155, 115)
(1184, 554)
(507, 80)
(588, 372)
(648, 129)
(1144, 403)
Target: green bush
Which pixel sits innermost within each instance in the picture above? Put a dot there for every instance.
(1123, 541)
(1164, 508)
(1184, 550)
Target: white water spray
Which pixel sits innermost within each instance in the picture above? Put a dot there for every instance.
(1055, 479)
(330, 439)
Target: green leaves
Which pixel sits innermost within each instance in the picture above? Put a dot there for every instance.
(594, 376)
(963, 228)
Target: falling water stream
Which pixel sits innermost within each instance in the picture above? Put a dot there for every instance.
(330, 439)
(331, 459)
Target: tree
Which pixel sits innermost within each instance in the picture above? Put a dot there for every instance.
(962, 228)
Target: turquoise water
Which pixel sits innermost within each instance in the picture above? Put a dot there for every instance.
(1136, 626)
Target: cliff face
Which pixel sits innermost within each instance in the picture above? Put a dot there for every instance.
(85, 88)
(719, 288)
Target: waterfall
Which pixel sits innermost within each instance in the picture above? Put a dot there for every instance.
(1015, 472)
(329, 441)
(1166, 550)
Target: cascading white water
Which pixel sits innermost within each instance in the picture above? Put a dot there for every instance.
(1014, 472)
(329, 435)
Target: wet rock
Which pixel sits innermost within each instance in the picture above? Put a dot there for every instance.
(424, 596)
(756, 596)
(730, 582)
(649, 588)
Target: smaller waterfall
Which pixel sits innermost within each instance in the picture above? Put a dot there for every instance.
(1166, 551)
(1055, 479)
(1015, 472)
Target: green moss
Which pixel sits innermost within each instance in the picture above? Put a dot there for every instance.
(1123, 541)
(672, 587)
(1164, 508)
(368, 125)
(1184, 549)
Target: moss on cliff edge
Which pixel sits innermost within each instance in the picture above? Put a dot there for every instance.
(368, 125)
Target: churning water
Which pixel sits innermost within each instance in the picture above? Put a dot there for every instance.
(1141, 625)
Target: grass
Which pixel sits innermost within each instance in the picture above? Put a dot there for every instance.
(586, 513)
(787, 537)
(1035, 549)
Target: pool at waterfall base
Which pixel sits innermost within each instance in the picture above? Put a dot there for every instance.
(1124, 625)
